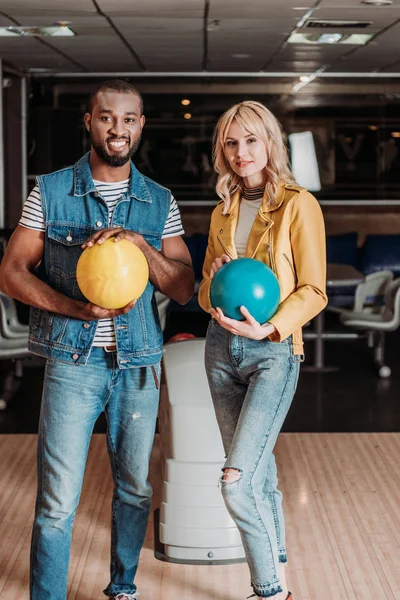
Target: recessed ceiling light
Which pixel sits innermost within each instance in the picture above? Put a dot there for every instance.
(187, 116)
(396, 134)
(377, 2)
(241, 55)
(185, 102)
(305, 78)
(38, 31)
(329, 38)
(357, 39)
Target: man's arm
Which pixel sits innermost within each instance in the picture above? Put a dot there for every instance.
(24, 251)
(171, 270)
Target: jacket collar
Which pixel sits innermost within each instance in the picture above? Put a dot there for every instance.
(83, 181)
(264, 208)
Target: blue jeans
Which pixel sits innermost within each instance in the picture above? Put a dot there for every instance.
(252, 384)
(73, 398)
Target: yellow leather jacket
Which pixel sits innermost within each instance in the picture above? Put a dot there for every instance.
(290, 239)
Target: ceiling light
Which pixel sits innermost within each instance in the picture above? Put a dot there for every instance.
(185, 102)
(241, 55)
(372, 127)
(29, 31)
(377, 2)
(306, 79)
(187, 116)
(329, 38)
(396, 134)
(357, 39)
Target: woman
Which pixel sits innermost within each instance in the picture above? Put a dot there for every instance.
(253, 367)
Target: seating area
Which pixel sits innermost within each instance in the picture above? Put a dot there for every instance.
(377, 253)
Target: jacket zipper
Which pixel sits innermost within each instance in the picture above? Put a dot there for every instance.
(291, 267)
(270, 252)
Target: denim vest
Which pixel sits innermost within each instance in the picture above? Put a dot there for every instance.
(73, 210)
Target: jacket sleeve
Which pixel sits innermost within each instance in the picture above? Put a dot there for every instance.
(204, 289)
(307, 234)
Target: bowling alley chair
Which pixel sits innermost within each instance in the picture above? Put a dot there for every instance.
(194, 524)
(13, 346)
(10, 325)
(376, 324)
(369, 295)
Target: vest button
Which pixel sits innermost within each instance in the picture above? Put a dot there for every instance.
(75, 356)
(99, 223)
(69, 238)
(86, 325)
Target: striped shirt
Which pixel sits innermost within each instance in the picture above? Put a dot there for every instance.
(33, 218)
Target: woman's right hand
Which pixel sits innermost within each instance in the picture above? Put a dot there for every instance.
(217, 264)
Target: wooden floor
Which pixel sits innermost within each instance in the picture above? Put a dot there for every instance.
(342, 503)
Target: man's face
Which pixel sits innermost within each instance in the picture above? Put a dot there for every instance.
(115, 126)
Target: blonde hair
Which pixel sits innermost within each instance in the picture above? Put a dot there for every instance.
(255, 118)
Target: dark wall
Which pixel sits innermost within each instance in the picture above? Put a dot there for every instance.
(357, 138)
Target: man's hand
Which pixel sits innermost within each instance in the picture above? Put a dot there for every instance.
(217, 264)
(118, 232)
(93, 312)
(249, 328)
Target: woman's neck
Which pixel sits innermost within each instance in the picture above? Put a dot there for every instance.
(257, 180)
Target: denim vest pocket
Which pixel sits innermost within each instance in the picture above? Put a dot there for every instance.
(65, 243)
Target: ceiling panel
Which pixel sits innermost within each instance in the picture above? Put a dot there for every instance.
(245, 27)
(16, 8)
(168, 36)
(260, 9)
(296, 66)
(156, 8)
(356, 4)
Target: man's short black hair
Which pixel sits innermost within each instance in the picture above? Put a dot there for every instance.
(114, 85)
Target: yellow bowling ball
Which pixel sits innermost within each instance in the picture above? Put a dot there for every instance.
(112, 274)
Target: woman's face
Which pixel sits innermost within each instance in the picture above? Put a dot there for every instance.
(246, 154)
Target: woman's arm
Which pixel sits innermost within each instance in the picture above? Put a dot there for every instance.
(204, 289)
(309, 253)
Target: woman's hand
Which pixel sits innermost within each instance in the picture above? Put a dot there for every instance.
(249, 328)
(118, 232)
(217, 264)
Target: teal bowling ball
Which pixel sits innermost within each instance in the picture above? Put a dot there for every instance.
(245, 282)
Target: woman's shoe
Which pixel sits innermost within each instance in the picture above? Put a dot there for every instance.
(288, 597)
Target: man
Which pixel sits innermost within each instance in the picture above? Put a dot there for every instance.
(97, 359)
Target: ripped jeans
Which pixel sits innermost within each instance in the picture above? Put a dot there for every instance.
(73, 398)
(252, 385)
